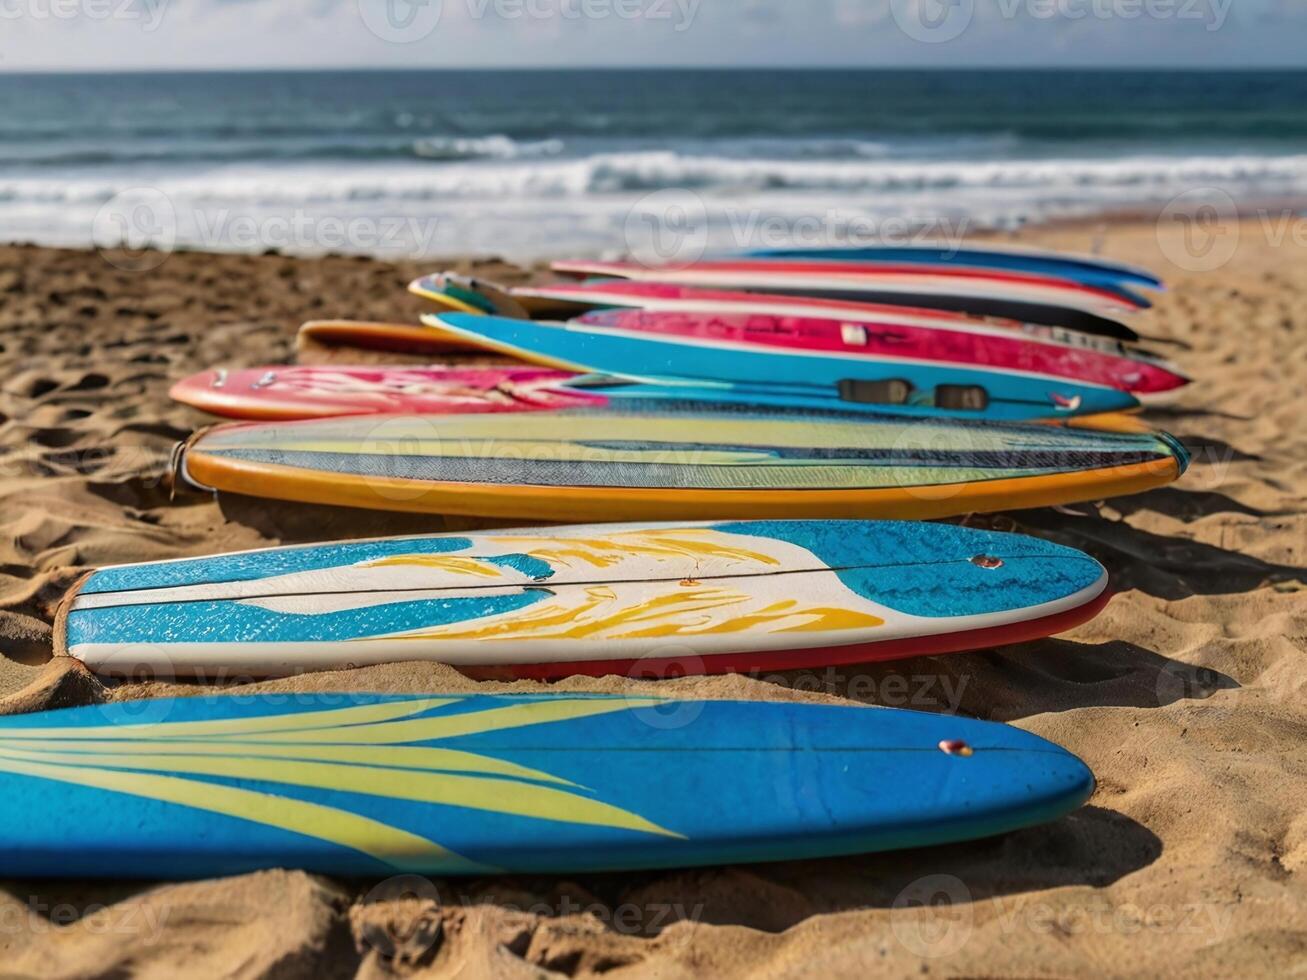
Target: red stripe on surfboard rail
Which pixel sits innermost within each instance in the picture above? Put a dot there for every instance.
(772, 660)
(862, 270)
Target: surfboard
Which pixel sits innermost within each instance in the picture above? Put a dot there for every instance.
(306, 391)
(1050, 350)
(1009, 353)
(668, 460)
(566, 300)
(814, 360)
(1057, 303)
(892, 277)
(409, 338)
(289, 392)
(593, 599)
(1091, 270)
(446, 784)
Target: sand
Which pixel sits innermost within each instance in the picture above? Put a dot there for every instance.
(1186, 696)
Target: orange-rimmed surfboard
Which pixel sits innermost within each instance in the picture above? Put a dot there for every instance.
(406, 338)
(673, 461)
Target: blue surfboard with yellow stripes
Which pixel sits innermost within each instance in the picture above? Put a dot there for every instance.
(372, 784)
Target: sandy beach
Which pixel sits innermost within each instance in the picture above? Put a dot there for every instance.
(1187, 696)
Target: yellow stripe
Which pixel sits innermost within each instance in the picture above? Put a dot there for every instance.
(446, 563)
(669, 542)
(381, 841)
(408, 434)
(394, 756)
(247, 727)
(473, 792)
(468, 723)
(771, 619)
(444, 299)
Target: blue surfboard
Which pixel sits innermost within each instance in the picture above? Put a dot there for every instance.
(375, 784)
(1083, 269)
(757, 374)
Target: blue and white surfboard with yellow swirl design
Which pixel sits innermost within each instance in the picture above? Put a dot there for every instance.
(593, 599)
(455, 784)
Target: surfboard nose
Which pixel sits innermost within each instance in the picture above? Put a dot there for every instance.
(941, 778)
(942, 570)
(1051, 782)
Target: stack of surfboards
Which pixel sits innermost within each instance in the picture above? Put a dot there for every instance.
(454, 784)
(744, 417)
(661, 399)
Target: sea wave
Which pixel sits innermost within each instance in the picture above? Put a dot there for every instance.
(537, 207)
(623, 174)
(496, 147)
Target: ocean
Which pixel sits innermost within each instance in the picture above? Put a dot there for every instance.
(531, 163)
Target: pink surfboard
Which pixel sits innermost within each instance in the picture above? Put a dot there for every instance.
(991, 342)
(305, 391)
(897, 342)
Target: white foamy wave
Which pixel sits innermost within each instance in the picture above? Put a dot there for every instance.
(483, 148)
(605, 175)
(529, 209)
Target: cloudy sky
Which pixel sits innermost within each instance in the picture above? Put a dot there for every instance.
(151, 34)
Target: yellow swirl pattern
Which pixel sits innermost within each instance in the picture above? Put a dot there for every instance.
(599, 613)
(694, 543)
(355, 750)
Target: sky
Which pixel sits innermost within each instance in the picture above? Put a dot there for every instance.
(71, 35)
